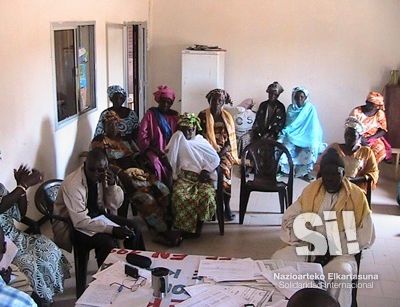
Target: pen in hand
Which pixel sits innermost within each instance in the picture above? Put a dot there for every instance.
(116, 294)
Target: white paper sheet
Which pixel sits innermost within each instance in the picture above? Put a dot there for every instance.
(251, 295)
(11, 252)
(98, 218)
(288, 280)
(98, 295)
(197, 289)
(227, 270)
(310, 267)
(116, 273)
(214, 298)
(269, 264)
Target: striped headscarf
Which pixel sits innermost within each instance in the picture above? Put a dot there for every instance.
(377, 99)
(113, 89)
(219, 93)
(189, 120)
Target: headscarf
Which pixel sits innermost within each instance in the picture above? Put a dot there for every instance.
(377, 99)
(303, 128)
(164, 92)
(294, 110)
(275, 86)
(113, 89)
(189, 120)
(353, 122)
(219, 93)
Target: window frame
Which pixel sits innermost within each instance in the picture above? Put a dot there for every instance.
(73, 25)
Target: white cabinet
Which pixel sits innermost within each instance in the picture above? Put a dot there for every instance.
(202, 71)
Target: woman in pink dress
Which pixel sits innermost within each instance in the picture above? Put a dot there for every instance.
(156, 129)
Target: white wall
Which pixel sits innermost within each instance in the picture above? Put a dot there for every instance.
(27, 116)
(339, 49)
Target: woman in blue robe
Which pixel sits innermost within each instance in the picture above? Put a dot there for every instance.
(302, 135)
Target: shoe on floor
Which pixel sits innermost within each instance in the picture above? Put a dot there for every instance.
(229, 217)
(308, 177)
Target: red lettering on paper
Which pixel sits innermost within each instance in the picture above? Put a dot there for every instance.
(155, 303)
(178, 256)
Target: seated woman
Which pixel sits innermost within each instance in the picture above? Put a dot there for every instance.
(193, 163)
(38, 257)
(373, 118)
(359, 161)
(271, 115)
(302, 135)
(218, 128)
(331, 192)
(151, 199)
(156, 129)
(120, 152)
(128, 123)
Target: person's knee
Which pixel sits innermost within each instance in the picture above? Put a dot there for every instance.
(287, 253)
(339, 267)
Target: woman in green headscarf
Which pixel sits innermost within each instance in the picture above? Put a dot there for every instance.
(193, 161)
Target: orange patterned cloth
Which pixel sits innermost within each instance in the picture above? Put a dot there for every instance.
(371, 125)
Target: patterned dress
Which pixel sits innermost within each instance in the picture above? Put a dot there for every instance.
(192, 201)
(371, 125)
(38, 257)
(222, 140)
(126, 125)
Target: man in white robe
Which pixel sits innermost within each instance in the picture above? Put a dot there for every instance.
(331, 192)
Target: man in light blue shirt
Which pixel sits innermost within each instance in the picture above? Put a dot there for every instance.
(10, 296)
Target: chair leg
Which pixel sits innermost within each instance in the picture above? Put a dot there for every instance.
(290, 196)
(282, 199)
(244, 199)
(355, 281)
(220, 214)
(81, 258)
(286, 199)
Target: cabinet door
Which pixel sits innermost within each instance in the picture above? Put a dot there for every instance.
(200, 74)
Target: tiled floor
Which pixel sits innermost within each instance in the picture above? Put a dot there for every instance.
(258, 238)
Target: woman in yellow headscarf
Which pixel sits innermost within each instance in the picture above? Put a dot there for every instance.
(218, 128)
(372, 116)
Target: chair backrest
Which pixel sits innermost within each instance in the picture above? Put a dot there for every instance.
(265, 155)
(368, 192)
(46, 195)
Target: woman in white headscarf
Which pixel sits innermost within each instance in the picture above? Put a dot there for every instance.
(360, 163)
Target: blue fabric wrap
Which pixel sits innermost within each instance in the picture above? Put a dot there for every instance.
(162, 122)
(303, 128)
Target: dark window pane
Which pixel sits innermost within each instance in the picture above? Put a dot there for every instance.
(64, 46)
